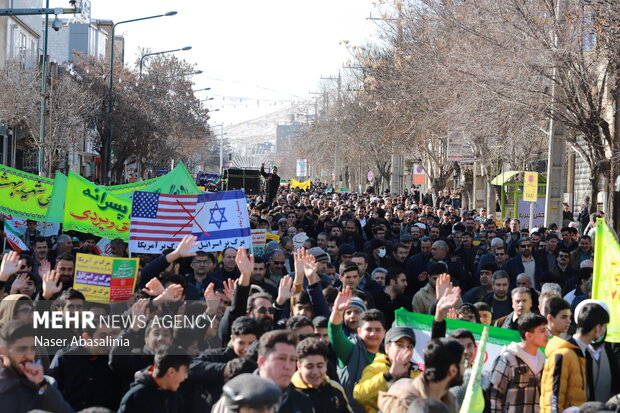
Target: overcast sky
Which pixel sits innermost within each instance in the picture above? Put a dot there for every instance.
(255, 55)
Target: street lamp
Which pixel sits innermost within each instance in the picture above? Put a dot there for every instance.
(111, 98)
(164, 52)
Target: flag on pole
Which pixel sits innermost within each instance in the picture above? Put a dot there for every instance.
(12, 236)
(422, 325)
(474, 400)
(219, 220)
(606, 276)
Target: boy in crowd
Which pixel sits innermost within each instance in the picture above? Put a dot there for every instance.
(311, 378)
(387, 368)
(565, 377)
(557, 312)
(155, 389)
(354, 353)
(518, 369)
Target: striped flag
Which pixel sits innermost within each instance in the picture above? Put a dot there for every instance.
(12, 236)
(160, 221)
(161, 217)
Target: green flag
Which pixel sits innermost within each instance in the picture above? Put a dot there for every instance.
(474, 400)
(24, 195)
(56, 209)
(176, 182)
(95, 210)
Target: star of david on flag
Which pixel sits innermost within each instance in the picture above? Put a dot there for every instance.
(159, 221)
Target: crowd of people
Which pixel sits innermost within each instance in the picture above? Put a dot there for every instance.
(309, 326)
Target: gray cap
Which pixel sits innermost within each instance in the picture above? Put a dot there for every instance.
(406, 238)
(358, 303)
(396, 333)
(250, 390)
(319, 254)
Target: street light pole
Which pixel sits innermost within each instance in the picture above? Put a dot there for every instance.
(164, 52)
(43, 92)
(33, 12)
(106, 178)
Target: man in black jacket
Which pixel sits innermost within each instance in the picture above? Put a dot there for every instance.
(155, 388)
(276, 362)
(272, 183)
(207, 371)
(83, 375)
(23, 387)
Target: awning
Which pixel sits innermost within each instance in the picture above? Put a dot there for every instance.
(504, 177)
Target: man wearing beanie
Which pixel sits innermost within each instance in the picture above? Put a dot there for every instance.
(356, 352)
(424, 299)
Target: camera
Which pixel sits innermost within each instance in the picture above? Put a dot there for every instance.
(56, 24)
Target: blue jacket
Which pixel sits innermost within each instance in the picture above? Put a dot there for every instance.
(514, 267)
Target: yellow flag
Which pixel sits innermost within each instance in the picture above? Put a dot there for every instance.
(606, 276)
(304, 186)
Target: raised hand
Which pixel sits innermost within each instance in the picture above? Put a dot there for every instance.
(140, 310)
(442, 284)
(342, 300)
(9, 266)
(174, 292)
(452, 314)
(245, 263)
(185, 247)
(229, 288)
(44, 267)
(51, 284)
(19, 283)
(401, 363)
(212, 299)
(310, 264)
(447, 301)
(286, 289)
(153, 288)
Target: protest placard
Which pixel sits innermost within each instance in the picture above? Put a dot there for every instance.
(259, 238)
(105, 279)
(160, 221)
(24, 195)
(92, 209)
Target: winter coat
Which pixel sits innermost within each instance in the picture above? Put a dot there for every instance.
(86, 380)
(145, 395)
(373, 381)
(19, 395)
(516, 385)
(564, 376)
(398, 400)
(329, 397)
(353, 357)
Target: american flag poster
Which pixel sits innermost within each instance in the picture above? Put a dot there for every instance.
(160, 221)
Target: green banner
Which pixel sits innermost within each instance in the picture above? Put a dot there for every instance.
(176, 182)
(95, 210)
(422, 324)
(24, 195)
(55, 211)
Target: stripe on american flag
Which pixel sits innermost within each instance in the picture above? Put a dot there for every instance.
(160, 217)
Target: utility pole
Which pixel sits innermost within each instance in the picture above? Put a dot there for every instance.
(557, 155)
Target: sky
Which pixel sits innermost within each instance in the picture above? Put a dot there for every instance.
(257, 56)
